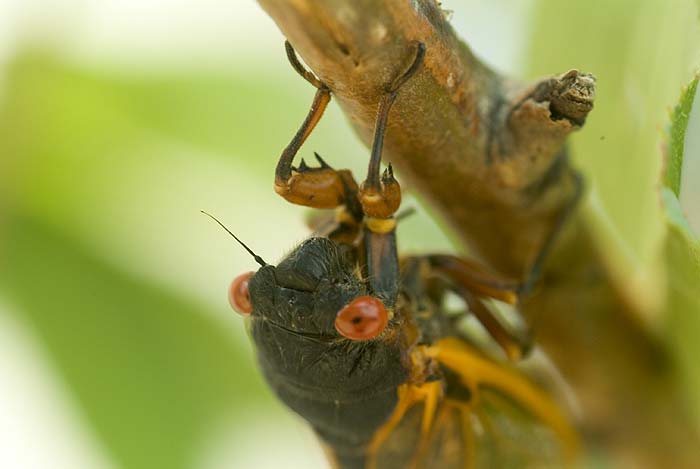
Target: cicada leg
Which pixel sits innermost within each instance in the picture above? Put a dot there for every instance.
(516, 344)
(474, 278)
(317, 187)
(473, 283)
(380, 197)
(535, 271)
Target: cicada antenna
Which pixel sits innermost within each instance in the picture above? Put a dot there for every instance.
(257, 258)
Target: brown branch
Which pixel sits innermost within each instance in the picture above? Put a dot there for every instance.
(487, 153)
(456, 125)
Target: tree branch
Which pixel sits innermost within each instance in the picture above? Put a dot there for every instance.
(455, 125)
(488, 154)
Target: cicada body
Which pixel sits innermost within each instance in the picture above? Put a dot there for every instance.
(361, 345)
(415, 395)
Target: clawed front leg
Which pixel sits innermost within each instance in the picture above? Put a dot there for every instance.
(322, 186)
(381, 197)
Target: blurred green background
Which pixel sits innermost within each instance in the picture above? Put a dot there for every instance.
(120, 120)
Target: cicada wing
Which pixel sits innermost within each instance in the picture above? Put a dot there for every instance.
(407, 447)
(507, 435)
(491, 434)
(478, 427)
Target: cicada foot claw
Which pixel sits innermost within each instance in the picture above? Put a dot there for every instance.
(382, 200)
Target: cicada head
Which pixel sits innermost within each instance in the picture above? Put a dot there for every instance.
(322, 338)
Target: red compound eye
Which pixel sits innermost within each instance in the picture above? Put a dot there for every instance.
(363, 319)
(238, 294)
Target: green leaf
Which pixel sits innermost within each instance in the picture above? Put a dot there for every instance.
(679, 124)
(682, 314)
(153, 373)
(682, 259)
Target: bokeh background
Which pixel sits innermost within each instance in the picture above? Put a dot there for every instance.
(121, 120)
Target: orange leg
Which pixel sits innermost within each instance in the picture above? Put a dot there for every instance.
(320, 187)
(472, 282)
(515, 344)
(381, 197)
(475, 278)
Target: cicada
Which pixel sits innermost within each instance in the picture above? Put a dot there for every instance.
(360, 343)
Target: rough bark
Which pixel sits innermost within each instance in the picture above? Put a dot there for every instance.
(488, 154)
